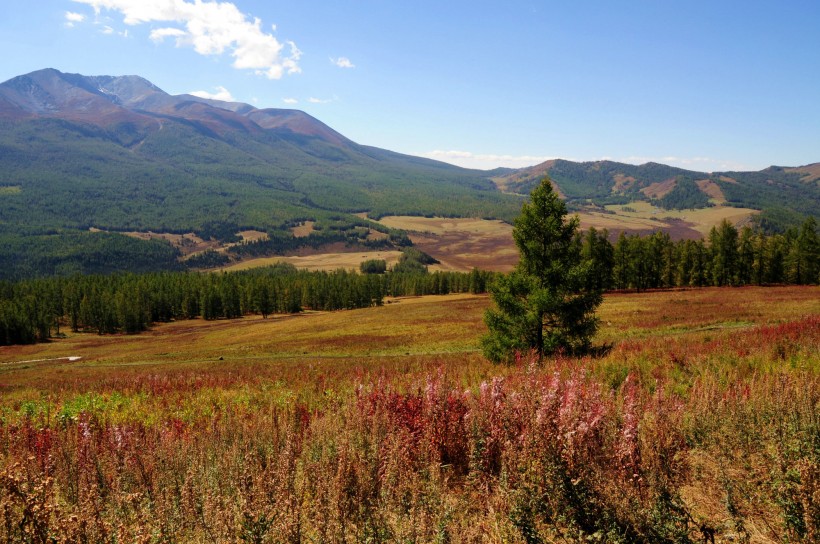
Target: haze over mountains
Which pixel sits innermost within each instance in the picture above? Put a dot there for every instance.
(119, 154)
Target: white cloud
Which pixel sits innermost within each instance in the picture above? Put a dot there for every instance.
(290, 101)
(221, 94)
(210, 28)
(467, 159)
(314, 100)
(159, 34)
(342, 62)
(72, 18)
(107, 30)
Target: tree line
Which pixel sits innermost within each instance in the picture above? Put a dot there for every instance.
(35, 310)
(727, 257)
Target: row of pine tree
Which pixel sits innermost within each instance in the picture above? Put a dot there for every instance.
(727, 257)
(35, 310)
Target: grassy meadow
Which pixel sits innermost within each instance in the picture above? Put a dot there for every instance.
(643, 215)
(701, 423)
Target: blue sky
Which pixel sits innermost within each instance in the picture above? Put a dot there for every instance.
(707, 85)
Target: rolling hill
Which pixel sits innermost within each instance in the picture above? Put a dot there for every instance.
(85, 157)
(783, 195)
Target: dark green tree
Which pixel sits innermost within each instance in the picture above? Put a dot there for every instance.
(597, 249)
(546, 304)
(807, 263)
(723, 244)
(622, 262)
(745, 256)
(373, 266)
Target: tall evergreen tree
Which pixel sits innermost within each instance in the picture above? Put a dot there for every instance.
(723, 243)
(745, 257)
(545, 304)
(599, 252)
(808, 253)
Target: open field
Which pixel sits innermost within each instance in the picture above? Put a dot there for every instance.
(312, 260)
(461, 244)
(701, 220)
(411, 326)
(701, 420)
(464, 244)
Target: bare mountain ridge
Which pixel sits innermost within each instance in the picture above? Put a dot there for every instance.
(110, 100)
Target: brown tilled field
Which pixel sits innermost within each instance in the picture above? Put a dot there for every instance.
(461, 244)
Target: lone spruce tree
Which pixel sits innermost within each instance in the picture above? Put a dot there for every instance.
(547, 304)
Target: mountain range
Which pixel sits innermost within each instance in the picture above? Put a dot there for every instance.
(119, 154)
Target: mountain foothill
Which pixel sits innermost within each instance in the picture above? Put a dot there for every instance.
(85, 158)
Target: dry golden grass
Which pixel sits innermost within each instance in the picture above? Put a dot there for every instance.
(811, 172)
(320, 261)
(701, 220)
(253, 235)
(449, 323)
(11, 190)
(620, 221)
(304, 229)
(439, 225)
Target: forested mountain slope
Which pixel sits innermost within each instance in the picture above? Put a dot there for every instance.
(785, 196)
(117, 154)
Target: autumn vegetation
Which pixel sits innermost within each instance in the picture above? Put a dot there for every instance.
(692, 416)
(700, 423)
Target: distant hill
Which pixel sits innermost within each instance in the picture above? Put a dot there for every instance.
(785, 196)
(115, 154)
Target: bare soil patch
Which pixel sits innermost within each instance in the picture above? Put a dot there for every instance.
(253, 235)
(659, 190)
(538, 171)
(622, 183)
(303, 230)
(188, 243)
(713, 190)
(376, 235)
